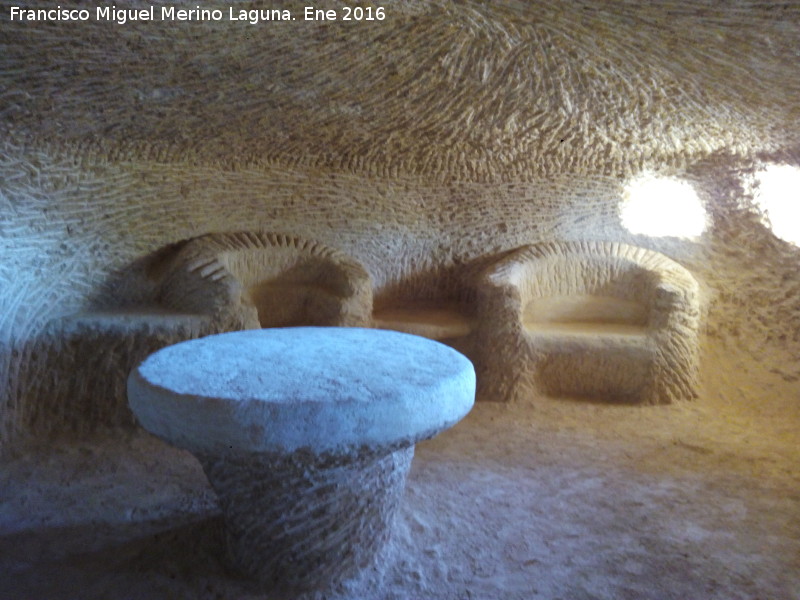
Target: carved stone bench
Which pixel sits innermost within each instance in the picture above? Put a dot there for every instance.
(306, 434)
(591, 319)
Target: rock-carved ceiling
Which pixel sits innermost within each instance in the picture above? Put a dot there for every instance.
(458, 90)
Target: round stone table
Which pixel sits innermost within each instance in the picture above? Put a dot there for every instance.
(306, 434)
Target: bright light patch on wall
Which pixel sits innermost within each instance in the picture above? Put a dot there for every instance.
(778, 195)
(662, 206)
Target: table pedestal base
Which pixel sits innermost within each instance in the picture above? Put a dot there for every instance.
(302, 522)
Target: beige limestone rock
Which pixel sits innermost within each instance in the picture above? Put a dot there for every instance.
(263, 279)
(598, 319)
(306, 434)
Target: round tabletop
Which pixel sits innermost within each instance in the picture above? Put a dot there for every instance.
(326, 389)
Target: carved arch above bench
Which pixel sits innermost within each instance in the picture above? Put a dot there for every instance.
(265, 279)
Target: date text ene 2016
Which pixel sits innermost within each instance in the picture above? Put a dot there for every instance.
(348, 13)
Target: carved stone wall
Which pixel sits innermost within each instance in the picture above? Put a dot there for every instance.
(448, 132)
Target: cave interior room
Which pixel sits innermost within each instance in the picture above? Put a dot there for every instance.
(400, 300)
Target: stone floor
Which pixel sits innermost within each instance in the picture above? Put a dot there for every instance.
(560, 500)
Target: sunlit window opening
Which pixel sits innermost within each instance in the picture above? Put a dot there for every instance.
(662, 206)
(777, 193)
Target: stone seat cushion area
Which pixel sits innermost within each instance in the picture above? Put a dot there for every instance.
(586, 330)
(594, 345)
(430, 322)
(584, 309)
(306, 434)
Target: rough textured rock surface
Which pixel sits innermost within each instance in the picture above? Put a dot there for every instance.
(334, 390)
(450, 131)
(571, 500)
(77, 366)
(72, 374)
(597, 319)
(445, 133)
(306, 434)
(448, 90)
(261, 279)
(301, 522)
